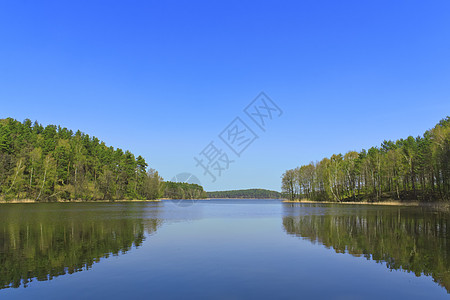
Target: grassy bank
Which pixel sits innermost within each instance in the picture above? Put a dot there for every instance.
(73, 201)
(442, 206)
(390, 202)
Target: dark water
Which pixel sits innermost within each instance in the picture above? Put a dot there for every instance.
(225, 249)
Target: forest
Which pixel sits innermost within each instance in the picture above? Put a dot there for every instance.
(182, 190)
(249, 194)
(405, 169)
(53, 163)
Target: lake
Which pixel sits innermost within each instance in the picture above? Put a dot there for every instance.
(223, 249)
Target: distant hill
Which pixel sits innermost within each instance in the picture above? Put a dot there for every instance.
(249, 193)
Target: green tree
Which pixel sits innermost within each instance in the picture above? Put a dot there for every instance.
(407, 169)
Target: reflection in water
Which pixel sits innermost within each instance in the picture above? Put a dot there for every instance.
(412, 239)
(46, 241)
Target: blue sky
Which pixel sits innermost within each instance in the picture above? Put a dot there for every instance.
(164, 78)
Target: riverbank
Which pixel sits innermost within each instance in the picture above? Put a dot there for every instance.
(22, 201)
(441, 205)
(391, 202)
(91, 201)
(242, 198)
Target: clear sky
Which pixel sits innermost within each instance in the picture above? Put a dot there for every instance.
(164, 78)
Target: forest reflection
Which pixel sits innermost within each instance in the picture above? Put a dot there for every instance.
(45, 241)
(414, 239)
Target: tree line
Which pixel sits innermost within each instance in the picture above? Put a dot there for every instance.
(405, 169)
(53, 163)
(249, 193)
(183, 190)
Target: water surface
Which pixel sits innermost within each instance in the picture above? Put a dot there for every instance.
(225, 249)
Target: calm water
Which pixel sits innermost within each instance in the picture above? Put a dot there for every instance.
(225, 249)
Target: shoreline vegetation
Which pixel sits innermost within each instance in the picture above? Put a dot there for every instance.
(437, 205)
(245, 194)
(24, 201)
(391, 202)
(405, 170)
(55, 164)
(19, 201)
(283, 200)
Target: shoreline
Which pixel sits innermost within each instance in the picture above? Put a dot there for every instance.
(224, 198)
(387, 203)
(30, 201)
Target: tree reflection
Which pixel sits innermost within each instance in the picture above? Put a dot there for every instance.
(411, 239)
(42, 243)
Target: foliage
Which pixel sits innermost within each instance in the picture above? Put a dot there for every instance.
(53, 163)
(182, 190)
(407, 169)
(249, 194)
